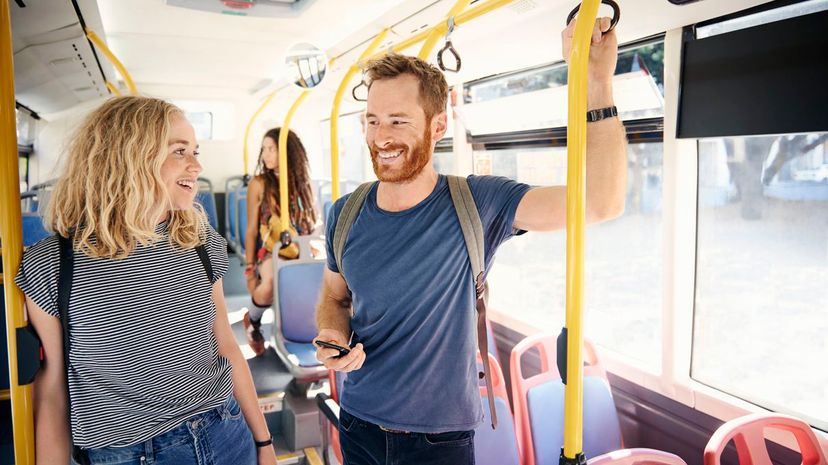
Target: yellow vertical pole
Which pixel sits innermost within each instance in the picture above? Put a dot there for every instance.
(438, 32)
(575, 223)
(11, 238)
(340, 92)
(250, 125)
(284, 211)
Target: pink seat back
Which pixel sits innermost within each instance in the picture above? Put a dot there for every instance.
(748, 434)
(498, 382)
(547, 347)
(637, 457)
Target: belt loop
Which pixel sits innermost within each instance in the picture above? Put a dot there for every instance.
(149, 453)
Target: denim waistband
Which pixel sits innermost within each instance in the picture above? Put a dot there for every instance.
(178, 435)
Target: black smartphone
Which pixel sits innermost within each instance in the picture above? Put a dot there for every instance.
(343, 351)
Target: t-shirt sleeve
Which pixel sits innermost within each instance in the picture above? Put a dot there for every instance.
(330, 227)
(497, 199)
(217, 251)
(38, 274)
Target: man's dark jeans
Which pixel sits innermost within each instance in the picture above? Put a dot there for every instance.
(365, 443)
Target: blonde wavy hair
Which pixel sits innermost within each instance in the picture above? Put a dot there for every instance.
(111, 195)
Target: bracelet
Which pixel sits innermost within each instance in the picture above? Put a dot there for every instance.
(601, 113)
(266, 443)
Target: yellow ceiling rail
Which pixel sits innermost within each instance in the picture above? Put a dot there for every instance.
(284, 211)
(435, 35)
(340, 92)
(250, 125)
(441, 27)
(113, 89)
(11, 238)
(112, 59)
(575, 223)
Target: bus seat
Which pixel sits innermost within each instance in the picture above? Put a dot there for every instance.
(539, 403)
(748, 434)
(207, 200)
(33, 229)
(231, 188)
(637, 456)
(495, 446)
(329, 416)
(241, 222)
(29, 202)
(296, 285)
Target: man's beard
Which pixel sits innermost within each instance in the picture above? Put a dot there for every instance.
(414, 161)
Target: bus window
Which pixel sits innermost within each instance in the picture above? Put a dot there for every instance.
(623, 256)
(760, 313)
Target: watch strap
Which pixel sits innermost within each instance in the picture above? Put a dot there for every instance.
(601, 113)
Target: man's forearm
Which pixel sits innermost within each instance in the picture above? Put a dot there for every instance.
(606, 159)
(334, 314)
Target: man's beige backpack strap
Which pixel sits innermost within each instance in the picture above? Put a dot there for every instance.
(473, 234)
(472, 229)
(346, 219)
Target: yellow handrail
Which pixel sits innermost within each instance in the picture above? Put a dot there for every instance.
(441, 27)
(113, 89)
(284, 211)
(340, 92)
(435, 35)
(575, 223)
(112, 59)
(250, 124)
(11, 239)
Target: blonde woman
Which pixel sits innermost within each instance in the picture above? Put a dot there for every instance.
(154, 372)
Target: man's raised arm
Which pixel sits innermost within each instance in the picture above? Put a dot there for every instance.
(544, 208)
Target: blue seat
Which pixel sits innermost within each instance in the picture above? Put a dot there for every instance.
(495, 446)
(296, 291)
(231, 217)
(241, 206)
(546, 417)
(33, 229)
(208, 201)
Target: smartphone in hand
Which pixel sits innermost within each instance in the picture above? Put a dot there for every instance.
(343, 351)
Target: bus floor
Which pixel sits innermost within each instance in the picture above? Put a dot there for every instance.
(270, 375)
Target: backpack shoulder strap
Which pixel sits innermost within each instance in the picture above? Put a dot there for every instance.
(472, 229)
(346, 219)
(201, 249)
(470, 222)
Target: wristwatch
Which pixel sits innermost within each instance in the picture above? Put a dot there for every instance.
(265, 443)
(601, 113)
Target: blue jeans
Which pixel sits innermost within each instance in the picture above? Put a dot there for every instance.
(365, 443)
(217, 437)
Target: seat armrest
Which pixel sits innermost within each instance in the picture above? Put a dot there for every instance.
(329, 408)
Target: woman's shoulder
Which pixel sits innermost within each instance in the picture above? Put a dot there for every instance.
(43, 252)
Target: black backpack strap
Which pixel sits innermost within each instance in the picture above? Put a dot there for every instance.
(65, 274)
(66, 271)
(205, 261)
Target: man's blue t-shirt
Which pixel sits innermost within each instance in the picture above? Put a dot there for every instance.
(413, 297)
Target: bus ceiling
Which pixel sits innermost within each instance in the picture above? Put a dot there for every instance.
(55, 66)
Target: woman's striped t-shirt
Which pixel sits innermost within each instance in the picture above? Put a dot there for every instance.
(143, 357)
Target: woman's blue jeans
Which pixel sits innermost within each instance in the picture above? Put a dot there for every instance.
(217, 437)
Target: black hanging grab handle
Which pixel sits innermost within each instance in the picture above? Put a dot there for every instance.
(616, 13)
(354, 91)
(450, 48)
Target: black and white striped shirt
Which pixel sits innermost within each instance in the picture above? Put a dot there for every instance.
(143, 356)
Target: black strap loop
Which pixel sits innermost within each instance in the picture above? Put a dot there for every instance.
(616, 13)
(354, 91)
(449, 47)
